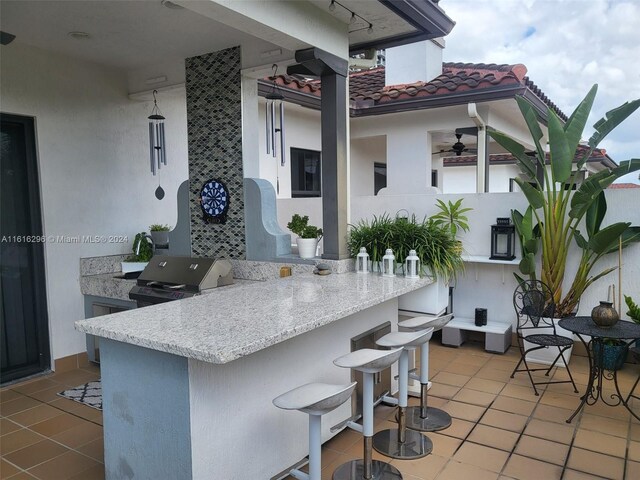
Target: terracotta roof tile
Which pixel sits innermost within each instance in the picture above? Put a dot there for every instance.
(624, 185)
(369, 85)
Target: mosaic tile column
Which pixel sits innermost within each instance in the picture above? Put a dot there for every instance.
(214, 125)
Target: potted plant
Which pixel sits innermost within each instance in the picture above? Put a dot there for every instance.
(555, 208)
(614, 353)
(160, 233)
(142, 253)
(308, 235)
(451, 216)
(634, 309)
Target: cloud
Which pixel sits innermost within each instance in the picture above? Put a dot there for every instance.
(567, 46)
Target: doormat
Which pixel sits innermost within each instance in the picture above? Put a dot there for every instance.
(89, 394)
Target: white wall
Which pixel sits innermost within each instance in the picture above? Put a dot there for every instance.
(482, 285)
(92, 146)
(463, 179)
(302, 130)
(365, 152)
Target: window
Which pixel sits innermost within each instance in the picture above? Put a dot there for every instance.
(434, 178)
(512, 185)
(305, 173)
(379, 177)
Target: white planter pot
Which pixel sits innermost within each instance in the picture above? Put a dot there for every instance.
(160, 237)
(432, 299)
(133, 266)
(546, 356)
(307, 247)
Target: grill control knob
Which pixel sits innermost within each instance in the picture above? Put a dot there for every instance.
(193, 266)
(162, 264)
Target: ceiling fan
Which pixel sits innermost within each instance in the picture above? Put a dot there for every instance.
(458, 148)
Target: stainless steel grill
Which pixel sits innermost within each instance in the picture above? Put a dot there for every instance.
(169, 278)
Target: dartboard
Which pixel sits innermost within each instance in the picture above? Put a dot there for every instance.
(214, 199)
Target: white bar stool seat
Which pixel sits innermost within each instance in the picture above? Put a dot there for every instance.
(368, 361)
(400, 442)
(425, 418)
(314, 399)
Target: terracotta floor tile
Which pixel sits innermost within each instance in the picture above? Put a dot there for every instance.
(513, 405)
(601, 442)
(426, 468)
(35, 415)
(634, 451)
(560, 400)
(448, 378)
(605, 425)
(7, 426)
(94, 449)
(74, 378)
(619, 413)
(63, 466)
(540, 449)
(443, 445)
(464, 411)
(596, 463)
(49, 394)
(36, 454)
(490, 373)
(461, 471)
(443, 391)
(504, 365)
(494, 437)
(633, 470)
(524, 468)
(553, 414)
(17, 440)
(504, 420)
(550, 431)
(8, 395)
(520, 392)
(94, 473)
(57, 424)
(18, 405)
(484, 457)
(79, 435)
(458, 429)
(634, 433)
(7, 470)
(462, 368)
(575, 475)
(474, 397)
(36, 386)
(482, 385)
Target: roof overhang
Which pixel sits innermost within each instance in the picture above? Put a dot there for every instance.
(427, 18)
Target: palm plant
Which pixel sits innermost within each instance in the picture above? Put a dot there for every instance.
(451, 216)
(557, 209)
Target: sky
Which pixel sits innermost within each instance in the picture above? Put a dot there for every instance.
(567, 46)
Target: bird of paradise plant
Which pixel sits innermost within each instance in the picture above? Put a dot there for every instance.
(557, 209)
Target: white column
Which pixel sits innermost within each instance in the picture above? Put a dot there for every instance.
(250, 128)
(408, 161)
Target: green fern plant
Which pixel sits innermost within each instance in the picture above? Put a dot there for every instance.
(634, 309)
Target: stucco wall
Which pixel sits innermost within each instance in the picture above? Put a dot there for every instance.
(93, 157)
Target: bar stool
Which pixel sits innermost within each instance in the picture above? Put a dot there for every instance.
(400, 442)
(314, 399)
(368, 361)
(425, 418)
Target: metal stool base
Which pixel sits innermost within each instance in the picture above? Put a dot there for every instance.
(415, 445)
(436, 419)
(354, 470)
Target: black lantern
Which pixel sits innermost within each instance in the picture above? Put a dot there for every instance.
(503, 241)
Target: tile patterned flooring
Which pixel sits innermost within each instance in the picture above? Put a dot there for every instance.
(500, 429)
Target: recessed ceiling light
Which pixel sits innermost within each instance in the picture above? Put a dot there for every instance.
(79, 35)
(171, 5)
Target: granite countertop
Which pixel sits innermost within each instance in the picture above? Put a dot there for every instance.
(107, 285)
(227, 324)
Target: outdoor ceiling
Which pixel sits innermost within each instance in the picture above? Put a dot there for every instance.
(385, 23)
(125, 34)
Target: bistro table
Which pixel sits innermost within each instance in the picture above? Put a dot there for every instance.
(584, 326)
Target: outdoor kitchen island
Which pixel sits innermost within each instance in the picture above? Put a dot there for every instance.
(187, 385)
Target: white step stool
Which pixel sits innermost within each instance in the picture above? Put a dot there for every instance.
(497, 334)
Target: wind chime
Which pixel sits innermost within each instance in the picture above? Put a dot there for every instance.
(157, 150)
(275, 122)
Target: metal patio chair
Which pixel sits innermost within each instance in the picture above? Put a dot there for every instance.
(533, 302)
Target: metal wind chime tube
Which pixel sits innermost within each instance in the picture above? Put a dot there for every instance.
(275, 119)
(157, 153)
